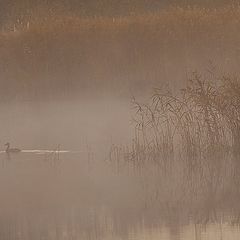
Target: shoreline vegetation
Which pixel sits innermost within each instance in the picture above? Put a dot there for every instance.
(186, 146)
(199, 122)
(62, 56)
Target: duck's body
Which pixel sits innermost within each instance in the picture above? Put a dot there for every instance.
(11, 150)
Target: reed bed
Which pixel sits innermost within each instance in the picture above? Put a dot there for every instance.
(185, 150)
(198, 126)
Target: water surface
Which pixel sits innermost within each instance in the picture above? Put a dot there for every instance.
(51, 194)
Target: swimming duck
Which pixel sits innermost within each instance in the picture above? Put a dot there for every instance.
(11, 150)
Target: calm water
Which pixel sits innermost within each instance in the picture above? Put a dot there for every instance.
(72, 195)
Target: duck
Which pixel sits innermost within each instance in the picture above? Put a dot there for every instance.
(11, 150)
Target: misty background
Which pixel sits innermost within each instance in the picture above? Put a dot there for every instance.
(68, 69)
(68, 73)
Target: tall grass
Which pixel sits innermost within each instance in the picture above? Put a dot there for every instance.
(198, 125)
(185, 148)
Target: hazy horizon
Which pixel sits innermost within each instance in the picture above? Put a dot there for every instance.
(120, 120)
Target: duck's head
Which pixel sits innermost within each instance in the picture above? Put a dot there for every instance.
(7, 144)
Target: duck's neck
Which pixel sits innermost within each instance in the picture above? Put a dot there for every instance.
(8, 146)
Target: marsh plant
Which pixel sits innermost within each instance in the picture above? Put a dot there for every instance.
(186, 145)
(198, 125)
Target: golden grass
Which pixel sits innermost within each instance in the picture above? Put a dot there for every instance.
(171, 18)
(122, 52)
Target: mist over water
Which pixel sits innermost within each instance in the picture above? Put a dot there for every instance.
(72, 124)
(104, 154)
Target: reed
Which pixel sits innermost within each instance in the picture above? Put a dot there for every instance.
(197, 126)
